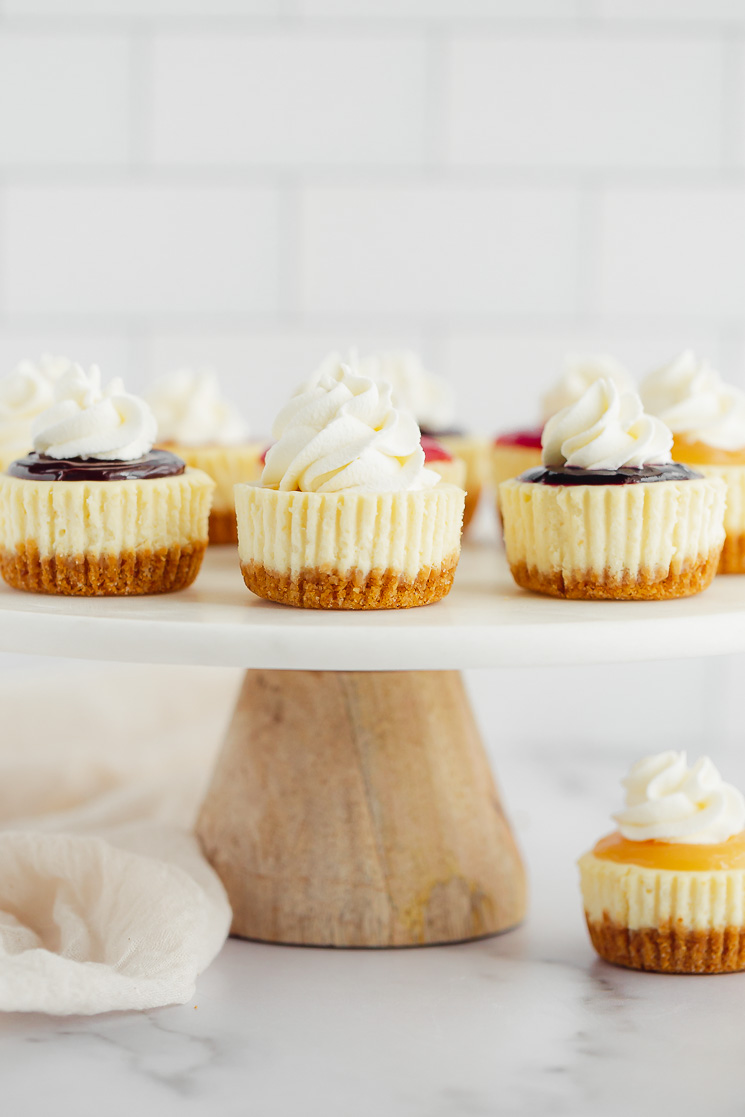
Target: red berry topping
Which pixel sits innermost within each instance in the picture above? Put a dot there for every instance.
(434, 451)
(530, 438)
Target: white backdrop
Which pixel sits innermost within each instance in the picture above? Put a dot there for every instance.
(249, 183)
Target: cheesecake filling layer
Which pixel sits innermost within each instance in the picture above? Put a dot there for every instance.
(289, 533)
(616, 532)
(635, 897)
(79, 518)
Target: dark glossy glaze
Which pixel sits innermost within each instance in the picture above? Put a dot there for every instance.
(627, 475)
(38, 467)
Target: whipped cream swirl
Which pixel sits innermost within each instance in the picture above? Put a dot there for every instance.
(190, 409)
(344, 433)
(25, 392)
(693, 400)
(667, 801)
(86, 421)
(605, 429)
(579, 371)
(429, 398)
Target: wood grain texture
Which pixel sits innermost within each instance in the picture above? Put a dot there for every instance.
(358, 809)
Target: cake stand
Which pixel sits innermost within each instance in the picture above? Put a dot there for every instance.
(352, 803)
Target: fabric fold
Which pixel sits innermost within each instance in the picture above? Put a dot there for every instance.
(106, 901)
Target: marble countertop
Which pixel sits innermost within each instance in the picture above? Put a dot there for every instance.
(530, 1022)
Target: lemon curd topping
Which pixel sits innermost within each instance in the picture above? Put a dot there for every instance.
(674, 856)
(699, 453)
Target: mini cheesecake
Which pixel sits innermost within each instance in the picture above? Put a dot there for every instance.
(667, 907)
(348, 513)
(349, 550)
(94, 510)
(666, 891)
(100, 528)
(631, 533)
(608, 515)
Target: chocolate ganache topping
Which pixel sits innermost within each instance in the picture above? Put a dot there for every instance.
(39, 467)
(626, 475)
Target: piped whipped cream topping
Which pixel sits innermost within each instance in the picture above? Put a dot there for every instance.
(667, 801)
(25, 392)
(579, 371)
(191, 410)
(88, 421)
(693, 400)
(343, 433)
(605, 429)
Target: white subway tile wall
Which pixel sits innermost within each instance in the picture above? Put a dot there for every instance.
(249, 183)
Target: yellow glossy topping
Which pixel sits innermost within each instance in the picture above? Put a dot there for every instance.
(675, 856)
(698, 453)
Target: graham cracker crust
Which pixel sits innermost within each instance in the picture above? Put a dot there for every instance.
(126, 574)
(379, 589)
(223, 527)
(733, 555)
(670, 949)
(646, 586)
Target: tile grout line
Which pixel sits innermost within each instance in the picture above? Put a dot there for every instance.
(289, 18)
(543, 323)
(379, 176)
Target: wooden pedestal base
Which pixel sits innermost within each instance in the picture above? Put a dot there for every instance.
(358, 809)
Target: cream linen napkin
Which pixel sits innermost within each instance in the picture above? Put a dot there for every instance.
(105, 899)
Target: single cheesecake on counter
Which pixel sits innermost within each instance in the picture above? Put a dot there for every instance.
(608, 514)
(666, 891)
(707, 418)
(93, 510)
(346, 514)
